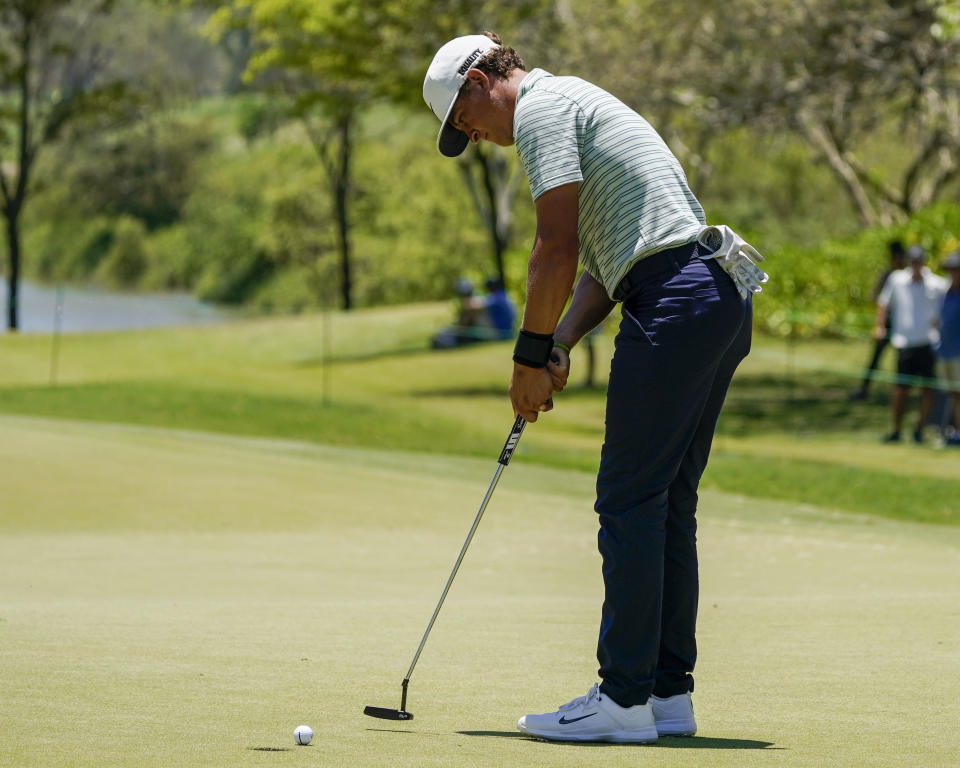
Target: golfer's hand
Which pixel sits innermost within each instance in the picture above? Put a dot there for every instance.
(530, 391)
(879, 333)
(559, 368)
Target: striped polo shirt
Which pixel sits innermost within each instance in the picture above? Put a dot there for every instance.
(634, 198)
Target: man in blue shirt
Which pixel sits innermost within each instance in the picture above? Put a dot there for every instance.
(500, 310)
(949, 350)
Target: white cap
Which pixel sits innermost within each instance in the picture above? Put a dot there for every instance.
(444, 77)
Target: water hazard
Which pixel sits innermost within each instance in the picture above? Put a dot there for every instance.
(88, 309)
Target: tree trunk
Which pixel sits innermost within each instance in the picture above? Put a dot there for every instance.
(817, 136)
(496, 226)
(341, 191)
(334, 147)
(494, 204)
(13, 277)
(13, 200)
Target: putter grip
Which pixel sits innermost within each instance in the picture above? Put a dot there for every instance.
(512, 441)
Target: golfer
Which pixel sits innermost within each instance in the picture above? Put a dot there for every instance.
(610, 195)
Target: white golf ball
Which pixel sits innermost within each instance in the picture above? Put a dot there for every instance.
(303, 735)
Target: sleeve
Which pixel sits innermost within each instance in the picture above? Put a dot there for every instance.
(878, 286)
(942, 286)
(886, 293)
(548, 133)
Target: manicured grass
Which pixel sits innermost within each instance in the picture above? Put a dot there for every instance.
(174, 598)
(367, 379)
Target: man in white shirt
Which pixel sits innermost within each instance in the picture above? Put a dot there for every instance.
(915, 294)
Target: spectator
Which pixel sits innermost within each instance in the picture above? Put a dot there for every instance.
(501, 314)
(949, 349)
(898, 260)
(470, 309)
(469, 322)
(479, 318)
(912, 296)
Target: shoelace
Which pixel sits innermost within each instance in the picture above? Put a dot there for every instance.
(593, 693)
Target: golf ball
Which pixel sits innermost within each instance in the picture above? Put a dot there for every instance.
(303, 735)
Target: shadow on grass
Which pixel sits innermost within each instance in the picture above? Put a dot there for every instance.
(758, 404)
(488, 390)
(806, 402)
(317, 361)
(388, 730)
(386, 354)
(693, 742)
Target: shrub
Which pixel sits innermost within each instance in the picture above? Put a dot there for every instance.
(826, 290)
(126, 260)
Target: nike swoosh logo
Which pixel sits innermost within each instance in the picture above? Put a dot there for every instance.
(564, 721)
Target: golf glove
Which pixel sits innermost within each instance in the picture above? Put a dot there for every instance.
(738, 258)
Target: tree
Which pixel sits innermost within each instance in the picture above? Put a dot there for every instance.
(491, 176)
(334, 58)
(841, 73)
(493, 185)
(640, 51)
(319, 57)
(50, 78)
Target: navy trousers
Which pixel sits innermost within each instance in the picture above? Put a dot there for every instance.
(683, 333)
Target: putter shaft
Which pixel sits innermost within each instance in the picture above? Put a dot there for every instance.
(505, 455)
(456, 567)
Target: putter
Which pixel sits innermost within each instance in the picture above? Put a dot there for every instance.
(385, 713)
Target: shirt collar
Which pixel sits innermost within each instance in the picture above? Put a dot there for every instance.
(531, 79)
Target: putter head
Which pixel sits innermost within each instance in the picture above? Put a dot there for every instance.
(385, 713)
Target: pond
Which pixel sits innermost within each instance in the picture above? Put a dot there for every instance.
(89, 309)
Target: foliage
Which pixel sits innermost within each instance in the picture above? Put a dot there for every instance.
(421, 231)
(826, 289)
(243, 198)
(297, 236)
(172, 264)
(68, 247)
(327, 61)
(223, 220)
(146, 171)
(768, 190)
(837, 74)
(46, 83)
(125, 261)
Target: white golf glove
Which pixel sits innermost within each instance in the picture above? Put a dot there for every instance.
(738, 258)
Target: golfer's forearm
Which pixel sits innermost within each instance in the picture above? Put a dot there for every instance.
(588, 308)
(550, 274)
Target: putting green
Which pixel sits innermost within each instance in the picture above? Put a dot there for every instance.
(174, 598)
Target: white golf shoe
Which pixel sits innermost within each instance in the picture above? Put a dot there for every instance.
(594, 717)
(674, 715)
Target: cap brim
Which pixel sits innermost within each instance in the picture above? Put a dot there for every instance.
(451, 141)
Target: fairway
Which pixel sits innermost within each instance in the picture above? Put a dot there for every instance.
(173, 598)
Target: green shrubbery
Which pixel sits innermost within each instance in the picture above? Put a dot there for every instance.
(228, 203)
(125, 261)
(826, 289)
(247, 219)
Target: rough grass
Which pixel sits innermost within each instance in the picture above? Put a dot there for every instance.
(366, 379)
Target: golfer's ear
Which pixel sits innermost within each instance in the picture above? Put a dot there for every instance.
(477, 78)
